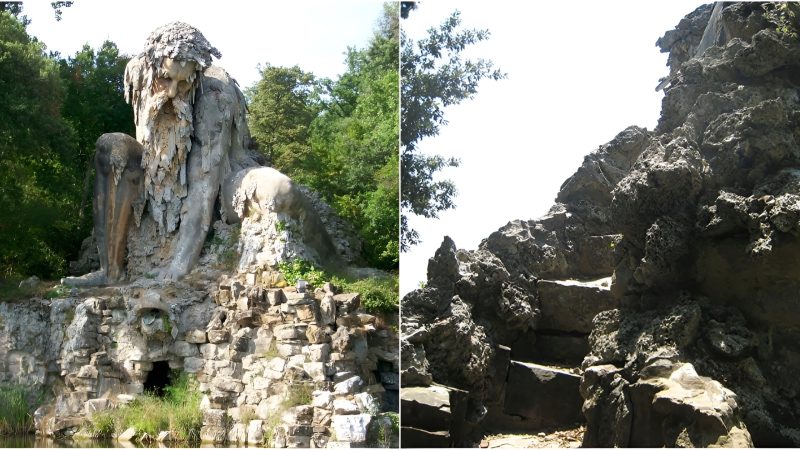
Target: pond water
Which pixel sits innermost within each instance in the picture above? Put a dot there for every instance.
(30, 441)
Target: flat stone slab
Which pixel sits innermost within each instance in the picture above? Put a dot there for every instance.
(570, 305)
(417, 438)
(433, 408)
(543, 396)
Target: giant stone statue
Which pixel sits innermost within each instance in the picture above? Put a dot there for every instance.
(155, 196)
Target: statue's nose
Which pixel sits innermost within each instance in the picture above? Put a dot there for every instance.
(172, 90)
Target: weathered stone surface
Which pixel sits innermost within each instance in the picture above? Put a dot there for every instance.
(166, 436)
(195, 337)
(351, 428)
(342, 406)
(327, 310)
(418, 438)
(255, 432)
(213, 434)
(218, 336)
(349, 386)
(347, 303)
(127, 435)
(571, 305)
(184, 349)
(543, 396)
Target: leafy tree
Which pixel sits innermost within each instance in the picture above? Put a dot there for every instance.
(282, 106)
(58, 8)
(340, 137)
(37, 194)
(434, 75)
(51, 112)
(94, 104)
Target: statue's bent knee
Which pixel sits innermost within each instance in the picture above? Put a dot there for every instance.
(118, 159)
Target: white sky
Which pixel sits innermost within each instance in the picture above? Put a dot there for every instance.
(312, 34)
(578, 73)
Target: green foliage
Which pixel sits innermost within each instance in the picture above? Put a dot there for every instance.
(784, 16)
(300, 269)
(35, 151)
(340, 137)
(228, 257)
(15, 414)
(435, 75)
(377, 294)
(299, 394)
(178, 411)
(282, 106)
(270, 425)
(51, 110)
(166, 324)
(101, 426)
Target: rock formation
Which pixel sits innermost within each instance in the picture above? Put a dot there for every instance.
(664, 279)
(252, 348)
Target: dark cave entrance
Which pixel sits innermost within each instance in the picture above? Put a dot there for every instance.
(158, 378)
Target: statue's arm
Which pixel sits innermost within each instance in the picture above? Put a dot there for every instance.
(207, 165)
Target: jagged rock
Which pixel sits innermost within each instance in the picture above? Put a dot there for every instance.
(698, 220)
(684, 409)
(543, 396)
(570, 305)
(435, 412)
(347, 303)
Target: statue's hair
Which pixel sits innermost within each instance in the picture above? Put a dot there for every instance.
(181, 41)
(176, 40)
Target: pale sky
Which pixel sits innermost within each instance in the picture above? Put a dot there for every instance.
(578, 74)
(312, 34)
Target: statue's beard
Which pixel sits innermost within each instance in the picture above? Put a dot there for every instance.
(167, 140)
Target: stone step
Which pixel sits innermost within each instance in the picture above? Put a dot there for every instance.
(537, 397)
(436, 411)
(570, 305)
(561, 348)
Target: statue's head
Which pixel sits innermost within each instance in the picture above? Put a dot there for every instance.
(174, 55)
(173, 58)
(160, 84)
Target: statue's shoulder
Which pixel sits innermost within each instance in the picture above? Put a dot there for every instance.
(218, 78)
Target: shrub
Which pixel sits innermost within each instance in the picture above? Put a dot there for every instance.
(15, 414)
(178, 411)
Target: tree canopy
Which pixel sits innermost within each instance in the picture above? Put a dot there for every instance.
(434, 75)
(340, 137)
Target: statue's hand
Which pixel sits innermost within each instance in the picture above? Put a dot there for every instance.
(96, 278)
(172, 273)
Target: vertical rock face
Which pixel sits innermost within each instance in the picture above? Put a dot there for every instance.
(692, 339)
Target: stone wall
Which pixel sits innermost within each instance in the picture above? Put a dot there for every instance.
(306, 368)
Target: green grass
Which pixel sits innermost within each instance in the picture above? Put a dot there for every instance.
(15, 414)
(299, 394)
(378, 294)
(178, 411)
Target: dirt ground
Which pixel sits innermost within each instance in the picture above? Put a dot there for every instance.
(558, 438)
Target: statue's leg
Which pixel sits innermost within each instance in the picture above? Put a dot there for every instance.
(117, 185)
(196, 215)
(121, 184)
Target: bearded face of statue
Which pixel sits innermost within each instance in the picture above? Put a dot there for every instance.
(175, 77)
(167, 120)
